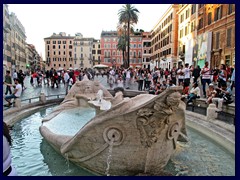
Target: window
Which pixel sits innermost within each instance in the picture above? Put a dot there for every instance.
(200, 23)
(70, 46)
(64, 47)
(193, 10)
(54, 53)
(186, 30)
(64, 52)
(54, 42)
(201, 5)
(218, 13)
(181, 33)
(139, 53)
(59, 42)
(64, 42)
(59, 53)
(227, 59)
(59, 47)
(53, 46)
(217, 40)
(229, 37)
(209, 18)
(134, 54)
(70, 42)
(187, 13)
(192, 26)
(230, 9)
(181, 18)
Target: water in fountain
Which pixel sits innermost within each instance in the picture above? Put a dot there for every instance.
(74, 119)
(33, 156)
(109, 157)
(104, 105)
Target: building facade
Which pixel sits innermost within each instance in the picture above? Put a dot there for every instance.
(17, 54)
(146, 51)
(59, 51)
(113, 57)
(83, 52)
(219, 20)
(7, 59)
(18, 44)
(164, 44)
(207, 34)
(96, 52)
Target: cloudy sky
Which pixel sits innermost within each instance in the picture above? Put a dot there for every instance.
(42, 20)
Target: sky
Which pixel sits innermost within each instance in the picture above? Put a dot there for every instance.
(42, 20)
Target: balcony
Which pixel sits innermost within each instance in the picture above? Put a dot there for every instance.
(81, 58)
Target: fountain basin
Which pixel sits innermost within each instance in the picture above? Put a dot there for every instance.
(140, 132)
(33, 156)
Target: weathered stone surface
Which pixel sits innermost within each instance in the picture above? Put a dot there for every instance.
(141, 132)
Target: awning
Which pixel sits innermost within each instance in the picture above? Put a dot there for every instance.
(100, 66)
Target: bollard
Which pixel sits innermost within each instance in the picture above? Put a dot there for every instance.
(17, 102)
(211, 112)
(42, 98)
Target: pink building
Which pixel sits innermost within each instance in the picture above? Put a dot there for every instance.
(111, 56)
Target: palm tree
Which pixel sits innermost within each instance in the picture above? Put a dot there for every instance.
(121, 30)
(128, 15)
(122, 47)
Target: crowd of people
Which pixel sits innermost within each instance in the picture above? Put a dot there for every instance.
(221, 82)
(157, 80)
(154, 81)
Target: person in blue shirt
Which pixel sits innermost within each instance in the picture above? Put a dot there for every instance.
(223, 97)
(233, 79)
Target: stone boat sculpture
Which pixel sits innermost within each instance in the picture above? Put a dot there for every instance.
(135, 135)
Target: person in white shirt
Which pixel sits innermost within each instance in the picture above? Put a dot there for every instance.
(128, 78)
(16, 94)
(206, 78)
(120, 82)
(70, 82)
(66, 80)
(194, 93)
(15, 76)
(180, 74)
(187, 74)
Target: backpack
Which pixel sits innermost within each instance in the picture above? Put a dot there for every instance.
(227, 98)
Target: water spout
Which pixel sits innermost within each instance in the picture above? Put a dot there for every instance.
(109, 158)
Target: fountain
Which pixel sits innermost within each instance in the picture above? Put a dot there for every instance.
(123, 136)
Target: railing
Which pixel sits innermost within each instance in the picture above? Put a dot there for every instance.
(30, 100)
